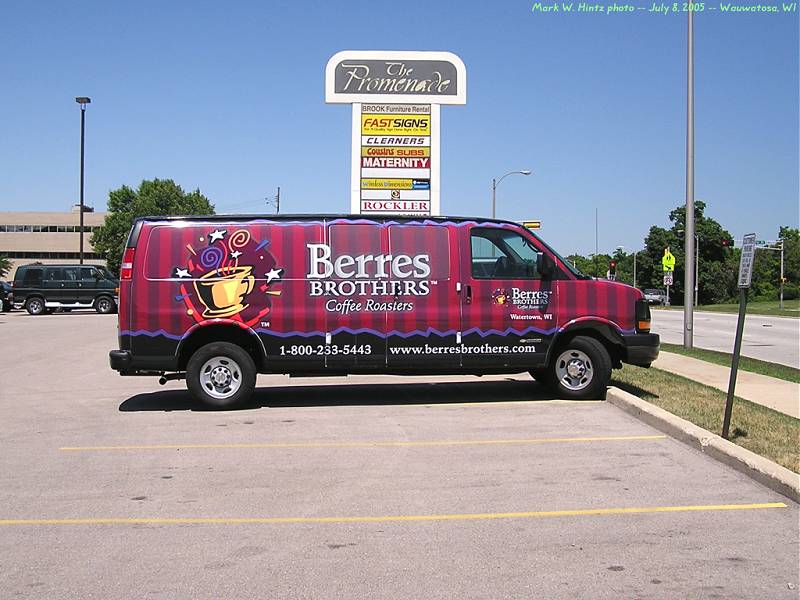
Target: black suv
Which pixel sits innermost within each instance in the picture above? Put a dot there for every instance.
(42, 288)
(6, 296)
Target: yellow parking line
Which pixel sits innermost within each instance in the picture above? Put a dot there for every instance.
(389, 519)
(366, 444)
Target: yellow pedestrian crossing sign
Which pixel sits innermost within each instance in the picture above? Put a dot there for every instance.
(668, 262)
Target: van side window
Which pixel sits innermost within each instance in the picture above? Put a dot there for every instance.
(71, 274)
(88, 274)
(53, 274)
(428, 247)
(502, 254)
(356, 240)
(33, 277)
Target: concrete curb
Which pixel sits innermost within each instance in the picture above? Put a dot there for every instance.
(774, 476)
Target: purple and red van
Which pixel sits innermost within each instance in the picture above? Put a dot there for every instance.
(218, 299)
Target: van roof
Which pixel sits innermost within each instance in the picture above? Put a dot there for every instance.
(295, 217)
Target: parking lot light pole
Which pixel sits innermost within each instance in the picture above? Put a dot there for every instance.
(496, 182)
(83, 101)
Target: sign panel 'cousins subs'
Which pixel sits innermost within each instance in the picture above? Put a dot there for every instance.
(395, 98)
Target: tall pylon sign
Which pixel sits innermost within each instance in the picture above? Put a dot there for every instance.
(395, 98)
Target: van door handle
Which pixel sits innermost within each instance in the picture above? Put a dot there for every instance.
(468, 299)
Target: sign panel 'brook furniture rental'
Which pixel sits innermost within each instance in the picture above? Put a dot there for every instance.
(395, 148)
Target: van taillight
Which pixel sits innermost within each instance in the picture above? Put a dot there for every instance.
(126, 268)
(642, 316)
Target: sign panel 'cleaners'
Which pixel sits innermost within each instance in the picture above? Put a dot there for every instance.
(395, 99)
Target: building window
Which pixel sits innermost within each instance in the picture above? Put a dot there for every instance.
(53, 255)
(47, 228)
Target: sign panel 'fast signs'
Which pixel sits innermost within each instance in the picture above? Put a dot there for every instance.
(395, 99)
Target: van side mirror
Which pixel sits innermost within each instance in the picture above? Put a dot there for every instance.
(545, 265)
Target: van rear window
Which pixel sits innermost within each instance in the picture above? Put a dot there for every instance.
(32, 277)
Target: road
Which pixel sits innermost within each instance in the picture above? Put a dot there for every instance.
(378, 487)
(773, 339)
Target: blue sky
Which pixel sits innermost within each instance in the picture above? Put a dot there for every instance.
(228, 97)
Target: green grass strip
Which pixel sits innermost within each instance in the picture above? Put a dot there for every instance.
(766, 432)
(791, 308)
(746, 363)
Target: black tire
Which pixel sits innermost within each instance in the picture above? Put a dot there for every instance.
(35, 305)
(213, 372)
(581, 369)
(104, 305)
(541, 375)
(6, 306)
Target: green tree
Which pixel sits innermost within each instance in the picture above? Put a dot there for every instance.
(717, 268)
(157, 197)
(5, 265)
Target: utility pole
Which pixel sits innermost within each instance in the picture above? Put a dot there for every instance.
(275, 201)
(688, 282)
(634, 267)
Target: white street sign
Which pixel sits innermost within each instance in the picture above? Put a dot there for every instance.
(746, 261)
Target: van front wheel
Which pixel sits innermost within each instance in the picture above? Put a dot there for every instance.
(581, 370)
(221, 375)
(104, 305)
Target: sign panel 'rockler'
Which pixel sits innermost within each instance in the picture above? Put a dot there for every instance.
(395, 99)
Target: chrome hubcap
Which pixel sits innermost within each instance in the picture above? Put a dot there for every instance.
(221, 377)
(574, 370)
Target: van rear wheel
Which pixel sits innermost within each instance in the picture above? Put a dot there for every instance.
(581, 370)
(221, 375)
(35, 306)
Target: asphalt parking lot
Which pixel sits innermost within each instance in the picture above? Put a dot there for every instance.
(454, 487)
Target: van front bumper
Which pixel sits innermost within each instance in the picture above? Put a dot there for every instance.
(641, 349)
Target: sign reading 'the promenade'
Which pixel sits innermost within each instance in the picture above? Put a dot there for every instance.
(395, 99)
(428, 77)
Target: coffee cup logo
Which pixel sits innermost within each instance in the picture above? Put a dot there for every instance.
(222, 291)
(229, 276)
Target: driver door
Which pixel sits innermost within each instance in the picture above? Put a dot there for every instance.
(508, 309)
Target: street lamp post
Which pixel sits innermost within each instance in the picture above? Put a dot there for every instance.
(688, 308)
(696, 264)
(635, 252)
(496, 182)
(83, 101)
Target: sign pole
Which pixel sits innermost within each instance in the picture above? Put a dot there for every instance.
(745, 277)
(737, 348)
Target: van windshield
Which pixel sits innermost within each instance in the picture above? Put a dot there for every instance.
(572, 268)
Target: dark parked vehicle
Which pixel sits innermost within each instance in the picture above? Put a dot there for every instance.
(6, 296)
(42, 288)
